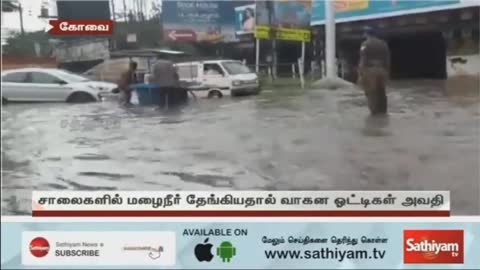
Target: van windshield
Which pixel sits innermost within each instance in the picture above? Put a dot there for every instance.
(235, 68)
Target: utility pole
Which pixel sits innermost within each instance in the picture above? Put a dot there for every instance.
(144, 8)
(139, 10)
(20, 10)
(125, 10)
(113, 9)
(273, 36)
(134, 10)
(330, 39)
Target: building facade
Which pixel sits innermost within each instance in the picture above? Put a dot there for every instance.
(437, 40)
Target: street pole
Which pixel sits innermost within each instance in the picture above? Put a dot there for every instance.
(142, 12)
(273, 36)
(303, 56)
(330, 39)
(20, 10)
(134, 8)
(257, 55)
(113, 9)
(145, 12)
(125, 10)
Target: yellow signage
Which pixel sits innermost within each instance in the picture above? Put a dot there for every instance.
(349, 5)
(263, 32)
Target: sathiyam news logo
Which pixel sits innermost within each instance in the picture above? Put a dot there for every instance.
(433, 246)
(39, 247)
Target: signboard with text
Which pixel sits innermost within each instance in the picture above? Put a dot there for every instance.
(202, 21)
(351, 10)
(263, 32)
(289, 20)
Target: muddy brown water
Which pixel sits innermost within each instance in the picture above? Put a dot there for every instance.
(283, 139)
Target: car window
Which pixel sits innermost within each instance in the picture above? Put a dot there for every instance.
(15, 77)
(212, 69)
(42, 77)
(235, 68)
(187, 72)
(71, 77)
(89, 72)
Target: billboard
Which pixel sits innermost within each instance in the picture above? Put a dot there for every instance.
(201, 21)
(245, 19)
(292, 14)
(290, 19)
(83, 10)
(351, 10)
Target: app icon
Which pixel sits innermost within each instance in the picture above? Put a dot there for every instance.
(433, 246)
(39, 247)
(226, 251)
(203, 251)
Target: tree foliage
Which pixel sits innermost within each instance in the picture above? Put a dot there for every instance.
(24, 44)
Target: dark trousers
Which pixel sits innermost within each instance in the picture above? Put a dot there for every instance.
(125, 96)
(373, 80)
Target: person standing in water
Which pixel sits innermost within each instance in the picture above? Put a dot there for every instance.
(373, 72)
(127, 78)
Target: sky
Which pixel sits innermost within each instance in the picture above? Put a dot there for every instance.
(31, 21)
(31, 8)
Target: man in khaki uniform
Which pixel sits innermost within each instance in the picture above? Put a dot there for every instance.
(127, 78)
(373, 72)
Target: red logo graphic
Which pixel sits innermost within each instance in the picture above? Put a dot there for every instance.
(81, 27)
(433, 246)
(39, 247)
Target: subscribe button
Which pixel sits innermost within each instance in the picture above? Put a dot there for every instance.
(155, 248)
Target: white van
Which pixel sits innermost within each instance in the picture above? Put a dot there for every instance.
(218, 78)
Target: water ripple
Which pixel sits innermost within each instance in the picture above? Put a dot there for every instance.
(284, 139)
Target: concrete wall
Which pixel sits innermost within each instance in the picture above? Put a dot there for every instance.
(79, 51)
(463, 65)
(9, 62)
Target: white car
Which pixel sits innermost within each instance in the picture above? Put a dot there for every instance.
(217, 78)
(51, 85)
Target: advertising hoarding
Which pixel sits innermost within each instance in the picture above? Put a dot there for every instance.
(201, 21)
(351, 10)
(245, 19)
(82, 10)
(289, 18)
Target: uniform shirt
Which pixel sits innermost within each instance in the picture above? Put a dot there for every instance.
(375, 52)
(164, 74)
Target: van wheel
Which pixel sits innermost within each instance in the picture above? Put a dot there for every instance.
(80, 97)
(215, 94)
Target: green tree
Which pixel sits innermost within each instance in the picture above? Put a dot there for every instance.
(24, 45)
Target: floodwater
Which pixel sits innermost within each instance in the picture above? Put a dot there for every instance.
(283, 139)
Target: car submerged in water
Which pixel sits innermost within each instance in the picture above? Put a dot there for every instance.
(51, 85)
(218, 78)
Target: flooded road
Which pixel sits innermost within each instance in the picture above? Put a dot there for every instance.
(283, 139)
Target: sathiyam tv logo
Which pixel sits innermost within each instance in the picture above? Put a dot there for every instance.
(39, 247)
(433, 246)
